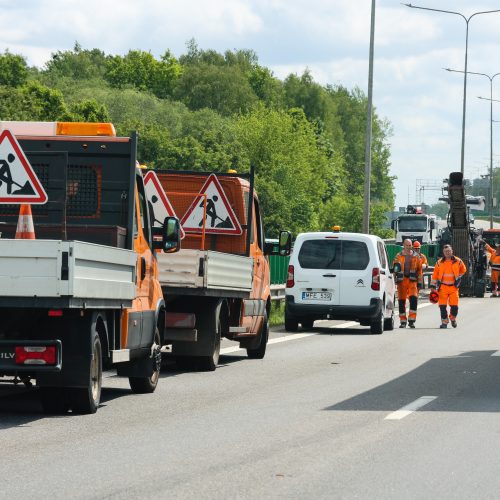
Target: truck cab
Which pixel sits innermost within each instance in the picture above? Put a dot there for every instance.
(86, 289)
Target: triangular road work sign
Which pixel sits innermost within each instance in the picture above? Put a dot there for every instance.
(158, 199)
(18, 181)
(219, 217)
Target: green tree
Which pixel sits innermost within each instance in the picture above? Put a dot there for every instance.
(90, 111)
(13, 70)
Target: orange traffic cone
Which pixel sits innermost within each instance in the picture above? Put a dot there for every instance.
(25, 228)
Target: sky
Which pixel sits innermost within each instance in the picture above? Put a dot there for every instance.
(330, 38)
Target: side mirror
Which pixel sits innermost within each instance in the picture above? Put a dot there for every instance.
(285, 243)
(432, 224)
(168, 237)
(393, 224)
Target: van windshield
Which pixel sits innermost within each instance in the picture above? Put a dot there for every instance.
(334, 254)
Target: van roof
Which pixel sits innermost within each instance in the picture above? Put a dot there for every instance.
(340, 235)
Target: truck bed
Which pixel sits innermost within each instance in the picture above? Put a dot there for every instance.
(205, 272)
(65, 274)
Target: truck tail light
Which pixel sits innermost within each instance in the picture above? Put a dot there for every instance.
(375, 278)
(55, 313)
(36, 355)
(290, 280)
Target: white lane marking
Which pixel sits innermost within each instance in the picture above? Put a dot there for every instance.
(287, 338)
(410, 408)
(425, 304)
(496, 353)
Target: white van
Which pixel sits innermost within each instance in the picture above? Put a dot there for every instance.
(339, 275)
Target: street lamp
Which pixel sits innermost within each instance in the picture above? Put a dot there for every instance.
(466, 19)
(490, 78)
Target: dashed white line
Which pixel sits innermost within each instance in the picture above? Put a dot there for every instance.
(410, 408)
(496, 353)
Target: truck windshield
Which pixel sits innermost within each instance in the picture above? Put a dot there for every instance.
(412, 224)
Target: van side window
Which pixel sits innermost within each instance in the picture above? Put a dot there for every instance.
(143, 208)
(320, 254)
(381, 254)
(355, 255)
(258, 220)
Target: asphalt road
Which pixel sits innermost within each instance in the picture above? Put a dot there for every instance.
(333, 412)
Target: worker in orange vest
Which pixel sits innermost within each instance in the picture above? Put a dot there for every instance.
(446, 278)
(408, 275)
(495, 266)
(423, 257)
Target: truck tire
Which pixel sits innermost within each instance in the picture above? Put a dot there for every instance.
(86, 399)
(377, 325)
(291, 322)
(260, 351)
(147, 385)
(209, 325)
(54, 400)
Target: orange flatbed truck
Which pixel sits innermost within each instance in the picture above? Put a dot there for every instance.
(218, 284)
(84, 295)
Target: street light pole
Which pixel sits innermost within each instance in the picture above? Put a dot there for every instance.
(490, 78)
(368, 139)
(466, 19)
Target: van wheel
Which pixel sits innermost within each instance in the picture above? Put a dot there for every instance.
(389, 322)
(307, 323)
(291, 322)
(86, 399)
(147, 385)
(260, 351)
(377, 325)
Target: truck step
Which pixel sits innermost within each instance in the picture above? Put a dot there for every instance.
(238, 329)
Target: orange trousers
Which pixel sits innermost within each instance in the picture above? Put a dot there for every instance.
(448, 294)
(407, 290)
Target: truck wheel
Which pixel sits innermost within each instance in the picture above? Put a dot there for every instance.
(377, 325)
(291, 323)
(260, 351)
(147, 385)
(210, 326)
(86, 399)
(54, 400)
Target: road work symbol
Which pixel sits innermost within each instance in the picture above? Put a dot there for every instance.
(219, 217)
(159, 204)
(18, 181)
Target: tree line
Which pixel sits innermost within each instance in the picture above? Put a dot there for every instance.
(208, 111)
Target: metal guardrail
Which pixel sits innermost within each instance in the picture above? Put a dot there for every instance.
(278, 292)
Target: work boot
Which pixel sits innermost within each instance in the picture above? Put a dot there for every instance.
(443, 325)
(402, 324)
(411, 323)
(454, 323)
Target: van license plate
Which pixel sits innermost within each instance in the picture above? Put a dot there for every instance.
(316, 296)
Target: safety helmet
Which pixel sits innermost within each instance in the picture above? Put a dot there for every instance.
(416, 244)
(433, 297)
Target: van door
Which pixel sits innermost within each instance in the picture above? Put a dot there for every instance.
(356, 273)
(317, 276)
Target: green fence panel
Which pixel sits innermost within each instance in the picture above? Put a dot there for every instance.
(279, 269)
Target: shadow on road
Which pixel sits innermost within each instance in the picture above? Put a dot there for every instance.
(469, 382)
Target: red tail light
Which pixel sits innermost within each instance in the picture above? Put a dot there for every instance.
(36, 355)
(375, 278)
(290, 281)
(55, 313)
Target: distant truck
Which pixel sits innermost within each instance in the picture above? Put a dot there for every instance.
(84, 295)
(218, 285)
(416, 226)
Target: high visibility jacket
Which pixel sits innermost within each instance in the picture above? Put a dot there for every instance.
(448, 271)
(494, 258)
(415, 270)
(425, 262)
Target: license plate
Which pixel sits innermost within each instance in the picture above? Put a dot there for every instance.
(316, 296)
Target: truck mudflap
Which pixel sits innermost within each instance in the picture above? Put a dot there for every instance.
(33, 356)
